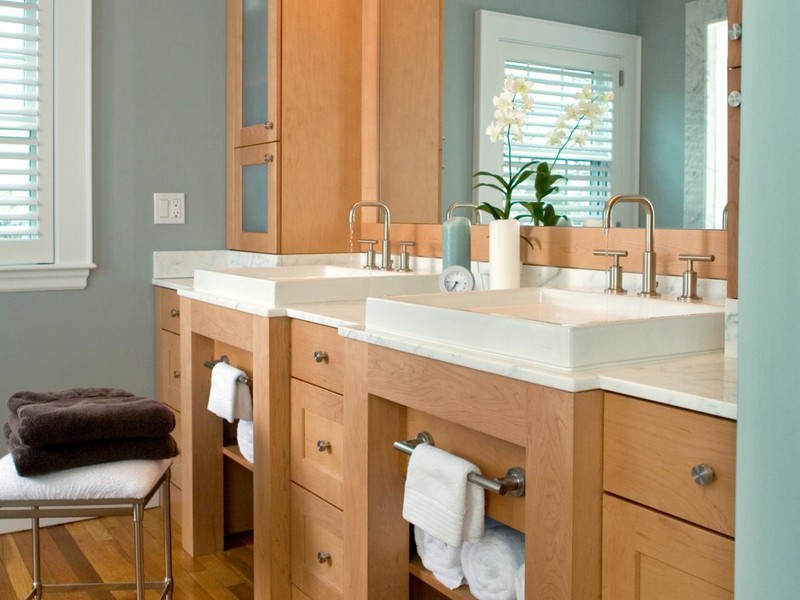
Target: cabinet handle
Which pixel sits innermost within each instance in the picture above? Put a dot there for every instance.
(268, 158)
(269, 125)
(174, 313)
(323, 445)
(702, 474)
(323, 557)
(735, 99)
(176, 374)
(320, 356)
(734, 31)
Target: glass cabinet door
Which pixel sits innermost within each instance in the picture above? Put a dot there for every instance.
(253, 218)
(253, 71)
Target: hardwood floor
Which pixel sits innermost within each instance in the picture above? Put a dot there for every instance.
(102, 549)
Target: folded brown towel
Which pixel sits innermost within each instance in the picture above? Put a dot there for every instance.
(85, 414)
(38, 461)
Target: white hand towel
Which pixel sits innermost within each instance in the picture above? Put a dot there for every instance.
(491, 564)
(439, 498)
(244, 436)
(443, 560)
(229, 398)
(519, 582)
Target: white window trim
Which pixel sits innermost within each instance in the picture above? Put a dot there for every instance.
(494, 32)
(73, 159)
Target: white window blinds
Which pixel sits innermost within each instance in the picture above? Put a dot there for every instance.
(25, 202)
(587, 168)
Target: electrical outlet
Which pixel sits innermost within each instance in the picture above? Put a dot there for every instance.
(169, 208)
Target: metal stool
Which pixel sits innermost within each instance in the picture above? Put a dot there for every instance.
(118, 488)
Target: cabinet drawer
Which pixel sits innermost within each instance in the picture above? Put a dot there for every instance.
(317, 555)
(648, 453)
(317, 441)
(168, 312)
(169, 368)
(318, 355)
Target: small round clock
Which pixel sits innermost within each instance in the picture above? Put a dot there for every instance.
(456, 278)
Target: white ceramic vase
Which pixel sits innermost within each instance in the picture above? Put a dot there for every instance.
(505, 267)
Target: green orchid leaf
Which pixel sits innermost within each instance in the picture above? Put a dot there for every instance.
(490, 185)
(502, 180)
(492, 210)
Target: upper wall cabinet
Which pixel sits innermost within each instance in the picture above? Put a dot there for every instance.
(294, 102)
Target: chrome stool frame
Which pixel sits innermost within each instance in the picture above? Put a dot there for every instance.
(39, 509)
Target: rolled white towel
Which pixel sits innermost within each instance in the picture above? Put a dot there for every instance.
(491, 564)
(441, 559)
(519, 582)
(244, 436)
(228, 397)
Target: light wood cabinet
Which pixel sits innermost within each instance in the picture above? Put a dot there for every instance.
(734, 131)
(664, 535)
(294, 97)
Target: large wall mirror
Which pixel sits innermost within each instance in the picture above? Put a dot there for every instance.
(427, 82)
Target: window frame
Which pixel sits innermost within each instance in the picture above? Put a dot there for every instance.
(72, 163)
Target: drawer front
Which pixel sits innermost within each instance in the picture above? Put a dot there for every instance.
(171, 369)
(650, 449)
(317, 546)
(168, 309)
(318, 355)
(317, 441)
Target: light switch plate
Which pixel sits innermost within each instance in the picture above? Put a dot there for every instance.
(169, 208)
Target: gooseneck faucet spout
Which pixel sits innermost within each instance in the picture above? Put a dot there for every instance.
(649, 255)
(386, 256)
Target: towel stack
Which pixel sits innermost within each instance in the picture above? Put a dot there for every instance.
(52, 431)
(230, 399)
(493, 565)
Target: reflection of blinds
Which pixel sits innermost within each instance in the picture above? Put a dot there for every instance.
(19, 122)
(587, 168)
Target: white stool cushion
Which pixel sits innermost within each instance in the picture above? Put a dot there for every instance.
(107, 481)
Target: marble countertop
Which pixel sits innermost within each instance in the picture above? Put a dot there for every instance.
(705, 383)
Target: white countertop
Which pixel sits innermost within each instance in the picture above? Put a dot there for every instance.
(704, 383)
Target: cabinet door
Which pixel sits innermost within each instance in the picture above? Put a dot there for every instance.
(253, 72)
(650, 556)
(253, 188)
(734, 45)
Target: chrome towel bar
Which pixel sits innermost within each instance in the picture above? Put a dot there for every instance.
(241, 379)
(513, 483)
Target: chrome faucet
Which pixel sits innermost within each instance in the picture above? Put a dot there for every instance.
(386, 255)
(649, 255)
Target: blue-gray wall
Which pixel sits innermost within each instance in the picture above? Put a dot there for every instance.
(768, 475)
(158, 126)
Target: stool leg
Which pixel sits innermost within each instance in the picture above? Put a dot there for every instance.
(36, 550)
(165, 501)
(138, 549)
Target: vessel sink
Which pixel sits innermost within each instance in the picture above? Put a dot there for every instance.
(561, 329)
(275, 286)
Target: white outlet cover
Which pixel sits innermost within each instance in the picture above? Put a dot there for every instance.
(169, 208)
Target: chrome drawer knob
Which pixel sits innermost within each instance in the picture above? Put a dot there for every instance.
(323, 557)
(320, 356)
(702, 474)
(734, 31)
(735, 99)
(174, 313)
(176, 374)
(323, 445)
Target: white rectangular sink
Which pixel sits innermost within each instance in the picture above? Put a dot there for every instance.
(561, 329)
(276, 286)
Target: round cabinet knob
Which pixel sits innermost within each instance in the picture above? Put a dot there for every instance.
(702, 474)
(174, 313)
(176, 374)
(735, 99)
(320, 356)
(323, 445)
(323, 557)
(734, 31)
(269, 125)
(268, 158)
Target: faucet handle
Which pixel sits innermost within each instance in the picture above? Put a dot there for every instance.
(614, 271)
(689, 293)
(404, 256)
(370, 258)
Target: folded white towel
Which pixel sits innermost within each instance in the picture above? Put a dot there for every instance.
(443, 560)
(439, 498)
(229, 398)
(244, 436)
(519, 582)
(491, 564)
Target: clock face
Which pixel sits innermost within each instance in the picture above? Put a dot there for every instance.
(456, 279)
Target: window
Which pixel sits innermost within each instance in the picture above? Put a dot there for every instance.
(45, 144)
(560, 60)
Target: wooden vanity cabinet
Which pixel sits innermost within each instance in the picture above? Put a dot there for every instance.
(665, 536)
(317, 370)
(168, 376)
(293, 105)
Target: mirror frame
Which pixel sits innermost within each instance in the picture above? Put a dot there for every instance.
(554, 246)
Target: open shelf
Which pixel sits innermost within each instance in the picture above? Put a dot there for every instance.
(417, 570)
(235, 455)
